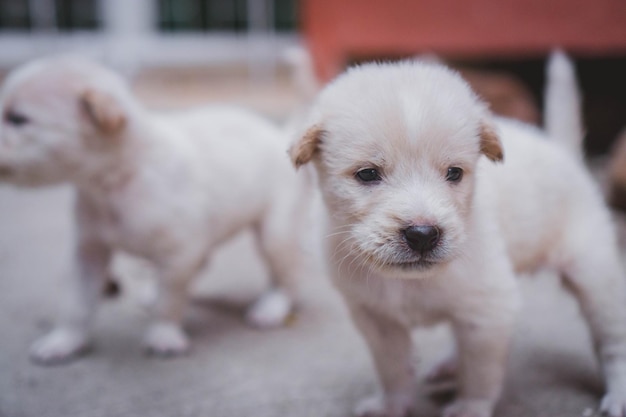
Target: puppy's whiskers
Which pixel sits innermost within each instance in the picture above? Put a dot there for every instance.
(341, 246)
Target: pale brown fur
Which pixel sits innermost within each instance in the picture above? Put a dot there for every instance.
(304, 150)
(490, 145)
(103, 111)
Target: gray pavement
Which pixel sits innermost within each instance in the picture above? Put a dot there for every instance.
(317, 366)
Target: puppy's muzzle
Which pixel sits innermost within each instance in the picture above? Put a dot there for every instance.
(422, 239)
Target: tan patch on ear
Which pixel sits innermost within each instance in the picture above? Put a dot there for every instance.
(103, 111)
(490, 144)
(302, 151)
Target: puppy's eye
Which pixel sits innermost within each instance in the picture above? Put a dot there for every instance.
(15, 119)
(454, 174)
(368, 175)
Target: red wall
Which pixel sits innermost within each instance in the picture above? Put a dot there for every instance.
(339, 30)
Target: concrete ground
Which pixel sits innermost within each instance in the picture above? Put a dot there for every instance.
(316, 366)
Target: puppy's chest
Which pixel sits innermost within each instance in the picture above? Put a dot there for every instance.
(413, 303)
(419, 305)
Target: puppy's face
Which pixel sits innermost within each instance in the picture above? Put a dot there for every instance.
(396, 148)
(53, 122)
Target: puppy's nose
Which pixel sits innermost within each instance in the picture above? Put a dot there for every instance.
(422, 238)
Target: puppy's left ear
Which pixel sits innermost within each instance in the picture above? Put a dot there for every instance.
(490, 144)
(306, 147)
(103, 111)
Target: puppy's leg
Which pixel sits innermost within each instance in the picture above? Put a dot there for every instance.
(71, 336)
(483, 348)
(389, 343)
(442, 378)
(446, 368)
(280, 246)
(596, 278)
(165, 336)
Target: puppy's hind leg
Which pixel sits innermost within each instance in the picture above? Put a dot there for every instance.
(280, 245)
(71, 335)
(165, 336)
(592, 271)
(446, 368)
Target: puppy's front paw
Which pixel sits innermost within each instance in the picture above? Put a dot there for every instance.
(270, 310)
(58, 346)
(614, 404)
(376, 406)
(469, 408)
(166, 339)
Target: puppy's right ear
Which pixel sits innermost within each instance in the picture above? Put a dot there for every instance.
(306, 147)
(103, 111)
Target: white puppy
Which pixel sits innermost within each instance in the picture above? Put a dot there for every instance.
(427, 224)
(166, 187)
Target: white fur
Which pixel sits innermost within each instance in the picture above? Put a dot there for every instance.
(166, 187)
(563, 103)
(303, 76)
(539, 208)
(270, 310)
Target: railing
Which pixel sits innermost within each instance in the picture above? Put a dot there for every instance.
(131, 34)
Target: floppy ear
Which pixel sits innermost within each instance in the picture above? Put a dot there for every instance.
(103, 111)
(490, 144)
(305, 148)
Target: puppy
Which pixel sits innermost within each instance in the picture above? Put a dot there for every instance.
(166, 187)
(434, 205)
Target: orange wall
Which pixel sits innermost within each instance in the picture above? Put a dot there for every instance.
(338, 30)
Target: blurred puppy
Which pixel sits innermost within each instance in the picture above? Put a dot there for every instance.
(427, 224)
(165, 187)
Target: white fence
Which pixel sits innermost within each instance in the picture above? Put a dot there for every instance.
(129, 39)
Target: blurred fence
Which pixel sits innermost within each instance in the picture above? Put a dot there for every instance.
(134, 33)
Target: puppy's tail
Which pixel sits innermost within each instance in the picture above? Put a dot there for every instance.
(563, 115)
(300, 63)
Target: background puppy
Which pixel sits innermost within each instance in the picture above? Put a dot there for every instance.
(427, 224)
(165, 187)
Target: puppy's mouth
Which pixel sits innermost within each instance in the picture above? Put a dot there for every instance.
(401, 260)
(420, 265)
(395, 255)
(411, 263)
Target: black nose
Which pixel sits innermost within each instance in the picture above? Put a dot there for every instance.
(422, 238)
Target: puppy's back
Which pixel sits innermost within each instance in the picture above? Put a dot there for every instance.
(538, 190)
